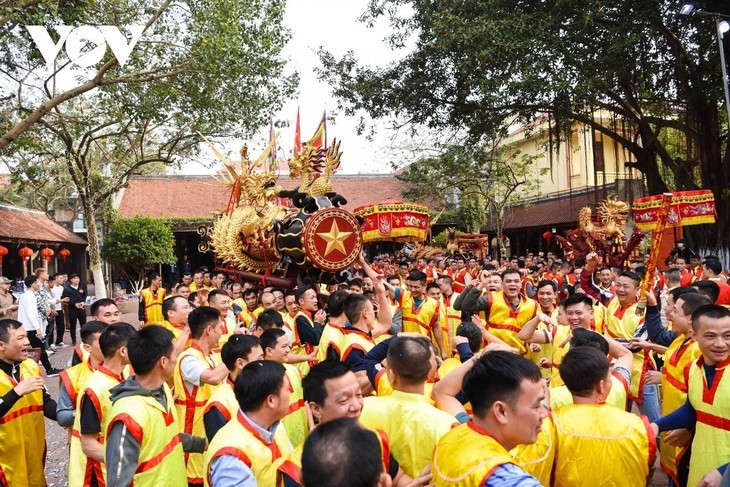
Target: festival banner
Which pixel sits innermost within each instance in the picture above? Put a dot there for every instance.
(687, 208)
(394, 221)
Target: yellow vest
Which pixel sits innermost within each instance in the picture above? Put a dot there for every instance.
(175, 329)
(152, 305)
(161, 457)
(602, 445)
(22, 433)
(453, 317)
(73, 380)
(80, 467)
(190, 407)
(412, 424)
(467, 456)
(622, 323)
(711, 442)
(445, 330)
(295, 420)
(331, 337)
(239, 439)
(546, 350)
(678, 359)
(299, 348)
(506, 324)
(599, 317)
(560, 348)
(560, 396)
(224, 400)
(537, 458)
(418, 319)
(352, 339)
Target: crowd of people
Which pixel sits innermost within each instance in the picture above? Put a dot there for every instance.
(450, 371)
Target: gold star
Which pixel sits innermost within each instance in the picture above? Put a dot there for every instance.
(335, 239)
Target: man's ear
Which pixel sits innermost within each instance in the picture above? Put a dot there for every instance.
(501, 412)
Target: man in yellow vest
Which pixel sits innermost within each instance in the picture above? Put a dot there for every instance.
(252, 309)
(622, 323)
(104, 311)
(144, 444)
(507, 311)
(412, 424)
(506, 393)
(330, 344)
(150, 301)
(433, 290)
(308, 325)
(453, 317)
(197, 284)
(86, 457)
(276, 347)
(331, 391)
(236, 353)
(249, 449)
(598, 444)
(176, 310)
(707, 408)
(23, 403)
(196, 378)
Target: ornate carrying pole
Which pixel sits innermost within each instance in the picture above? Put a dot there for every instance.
(656, 242)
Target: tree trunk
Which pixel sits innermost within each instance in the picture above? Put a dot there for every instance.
(94, 251)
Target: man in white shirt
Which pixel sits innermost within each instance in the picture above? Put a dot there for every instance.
(31, 319)
(56, 285)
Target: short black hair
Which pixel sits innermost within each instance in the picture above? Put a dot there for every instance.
(546, 282)
(417, 276)
(711, 311)
(249, 292)
(582, 368)
(578, 298)
(355, 281)
(257, 381)
(5, 326)
(270, 337)
(169, 304)
(269, 318)
(299, 292)
(336, 303)
(510, 271)
(354, 305)
(333, 448)
(217, 292)
(201, 318)
(238, 346)
(30, 280)
(634, 276)
(581, 337)
(315, 389)
(692, 301)
(471, 332)
(90, 329)
(114, 337)
(147, 347)
(410, 359)
(100, 303)
(446, 280)
(153, 275)
(677, 292)
(708, 288)
(497, 376)
(714, 265)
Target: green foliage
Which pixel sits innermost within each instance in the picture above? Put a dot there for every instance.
(479, 65)
(139, 243)
(440, 240)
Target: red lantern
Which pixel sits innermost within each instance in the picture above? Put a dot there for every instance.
(64, 253)
(25, 253)
(3, 252)
(46, 254)
(548, 236)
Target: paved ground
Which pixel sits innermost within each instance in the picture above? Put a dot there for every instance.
(57, 438)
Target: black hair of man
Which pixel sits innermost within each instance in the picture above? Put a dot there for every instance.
(546, 282)
(238, 346)
(257, 381)
(314, 383)
(555, 266)
(566, 265)
(5, 326)
(90, 329)
(392, 277)
(579, 263)
(673, 275)
(214, 293)
(471, 332)
(447, 280)
(299, 293)
(270, 337)
(30, 280)
(708, 288)
(497, 376)
(100, 303)
(114, 337)
(432, 285)
(692, 301)
(354, 306)
(170, 304)
(678, 292)
(578, 299)
(153, 275)
(336, 303)
(713, 265)
(634, 276)
(510, 271)
(220, 273)
(410, 359)
(582, 369)
(489, 268)
(201, 318)
(333, 448)
(187, 273)
(355, 282)
(581, 337)
(711, 311)
(148, 346)
(249, 292)
(417, 276)
(191, 297)
(270, 318)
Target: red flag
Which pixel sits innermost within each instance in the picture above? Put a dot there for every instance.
(297, 136)
(319, 139)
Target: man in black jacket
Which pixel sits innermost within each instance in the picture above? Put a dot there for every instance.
(76, 311)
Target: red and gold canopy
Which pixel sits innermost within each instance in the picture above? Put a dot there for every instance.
(687, 208)
(395, 221)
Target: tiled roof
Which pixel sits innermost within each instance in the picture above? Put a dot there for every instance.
(200, 196)
(22, 225)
